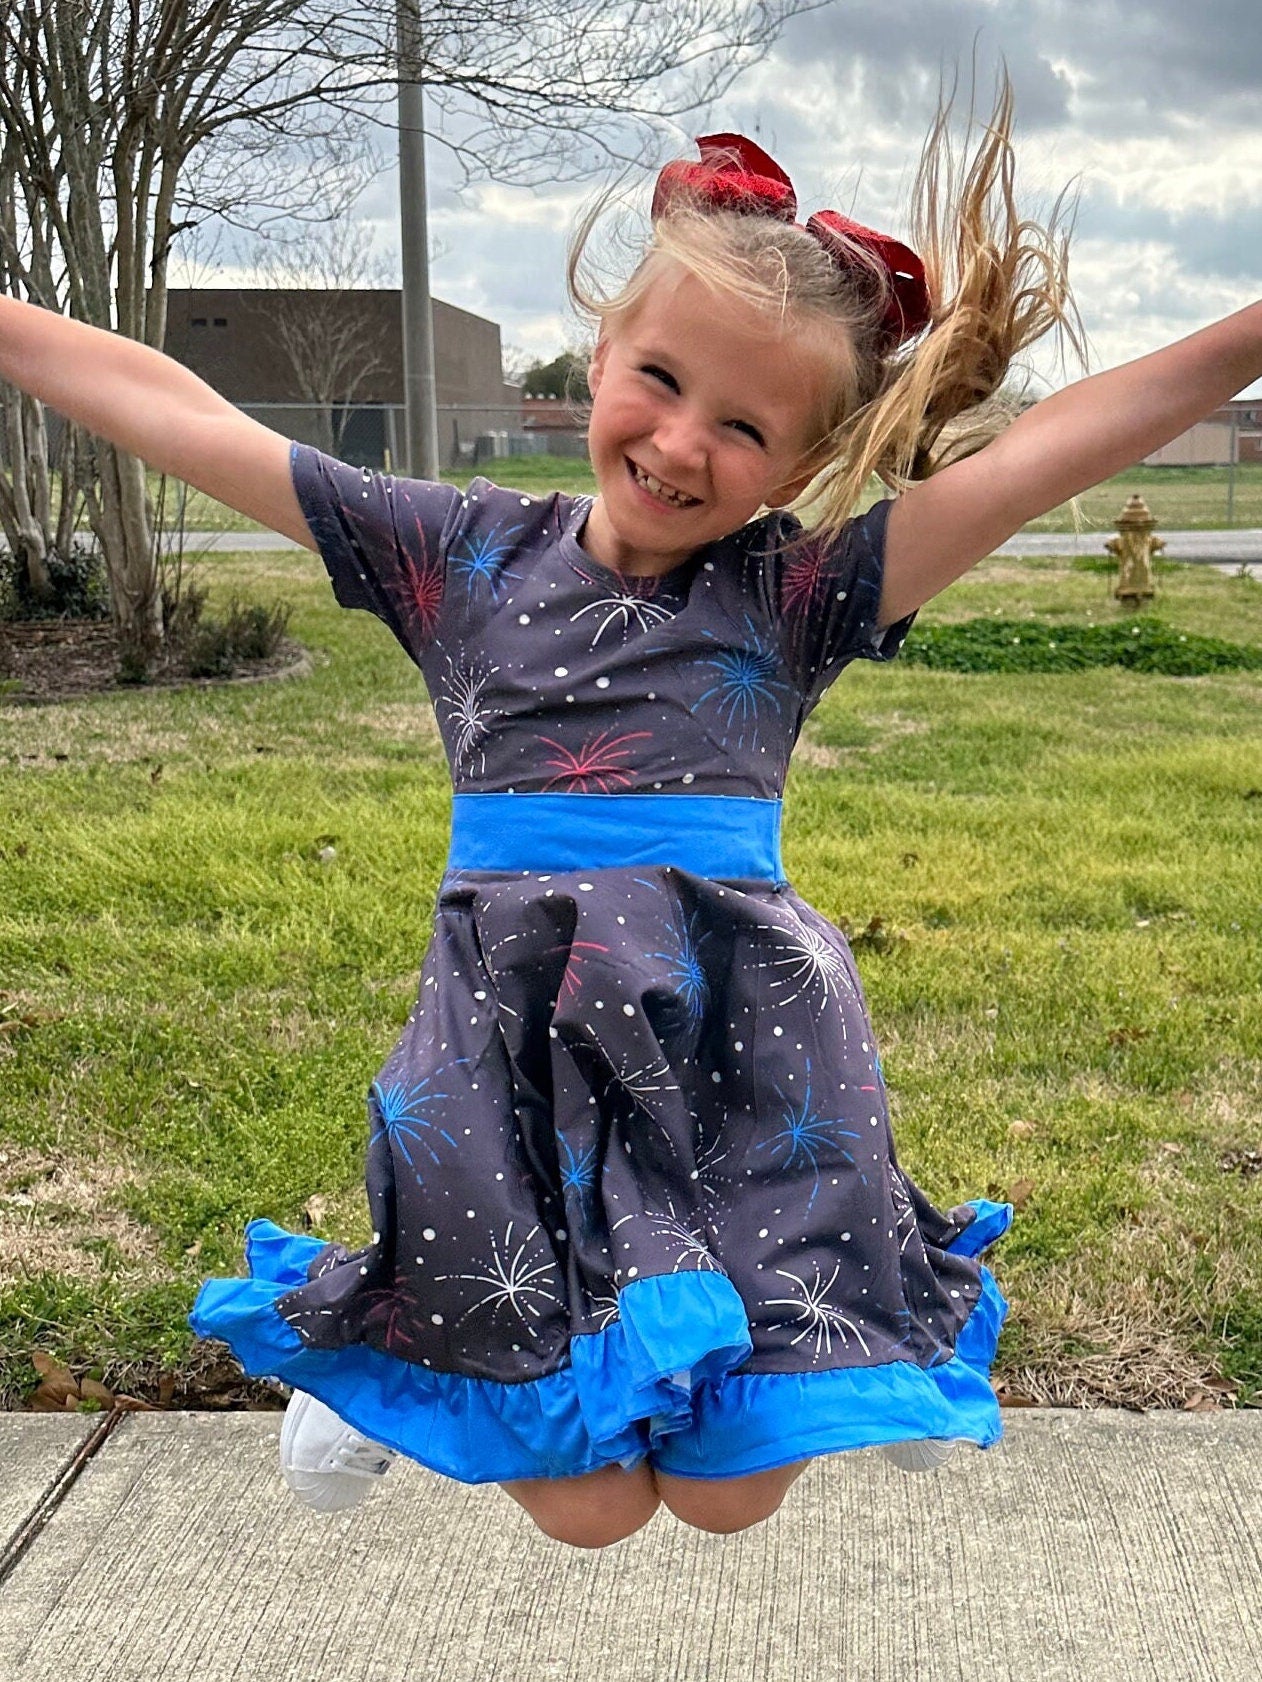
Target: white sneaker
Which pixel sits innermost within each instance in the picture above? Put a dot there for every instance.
(923, 1454)
(328, 1465)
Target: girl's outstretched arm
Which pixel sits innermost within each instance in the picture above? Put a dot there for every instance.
(1072, 440)
(149, 404)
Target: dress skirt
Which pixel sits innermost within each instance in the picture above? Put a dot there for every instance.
(633, 1193)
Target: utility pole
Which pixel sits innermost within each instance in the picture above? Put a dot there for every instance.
(421, 412)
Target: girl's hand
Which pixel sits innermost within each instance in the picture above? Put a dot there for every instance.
(149, 404)
(1072, 440)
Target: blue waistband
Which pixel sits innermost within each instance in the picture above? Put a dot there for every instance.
(717, 835)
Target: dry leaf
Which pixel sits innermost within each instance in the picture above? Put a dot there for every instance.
(1201, 1403)
(1010, 1398)
(1021, 1129)
(1020, 1193)
(57, 1388)
(314, 1210)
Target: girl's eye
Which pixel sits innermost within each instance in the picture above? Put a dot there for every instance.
(748, 430)
(657, 373)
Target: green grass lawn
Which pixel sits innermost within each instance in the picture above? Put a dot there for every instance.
(1067, 871)
(1182, 498)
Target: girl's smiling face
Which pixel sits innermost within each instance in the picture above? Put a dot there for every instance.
(702, 413)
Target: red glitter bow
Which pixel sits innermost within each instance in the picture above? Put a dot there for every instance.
(737, 176)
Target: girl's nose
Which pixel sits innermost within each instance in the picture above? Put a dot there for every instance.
(680, 440)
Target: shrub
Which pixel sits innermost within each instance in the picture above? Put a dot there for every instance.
(1022, 645)
(247, 631)
(80, 588)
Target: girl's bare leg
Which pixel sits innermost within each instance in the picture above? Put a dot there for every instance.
(723, 1505)
(590, 1511)
(609, 1505)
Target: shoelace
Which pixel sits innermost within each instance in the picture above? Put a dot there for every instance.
(363, 1457)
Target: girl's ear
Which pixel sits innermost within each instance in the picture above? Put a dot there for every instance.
(791, 489)
(596, 367)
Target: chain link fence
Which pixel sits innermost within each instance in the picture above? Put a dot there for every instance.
(372, 434)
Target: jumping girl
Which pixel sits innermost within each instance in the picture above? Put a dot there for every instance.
(640, 1235)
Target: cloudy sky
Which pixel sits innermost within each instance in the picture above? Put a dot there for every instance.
(1152, 107)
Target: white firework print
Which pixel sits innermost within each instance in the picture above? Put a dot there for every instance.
(644, 1081)
(623, 608)
(805, 963)
(820, 1318)
(710, 1155)
(689, 1244)
(515, 1276)
(463, 694)
(605, 1310)
(904, 1214)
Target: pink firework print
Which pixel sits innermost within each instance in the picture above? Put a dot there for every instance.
(801, 580)
(421, 581)
(596, 765)
(572, 980)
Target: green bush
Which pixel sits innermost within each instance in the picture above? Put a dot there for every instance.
(248, 631)
(80, 588)
(1022, 645)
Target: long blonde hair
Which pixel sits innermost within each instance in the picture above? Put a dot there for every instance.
(997, 282)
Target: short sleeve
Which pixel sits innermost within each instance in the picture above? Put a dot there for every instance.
(383, 540)
(826, 598)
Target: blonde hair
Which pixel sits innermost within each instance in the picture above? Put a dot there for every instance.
(997, 283)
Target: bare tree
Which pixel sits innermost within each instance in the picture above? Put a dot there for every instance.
(307, 300)
(128, 122)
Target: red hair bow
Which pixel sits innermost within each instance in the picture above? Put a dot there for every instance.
(737, 176)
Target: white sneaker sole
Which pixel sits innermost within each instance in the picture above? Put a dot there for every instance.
(332, 1486)
(925, 1454)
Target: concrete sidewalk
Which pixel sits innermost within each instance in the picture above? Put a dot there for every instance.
(1237, 547)
(1087, 1547)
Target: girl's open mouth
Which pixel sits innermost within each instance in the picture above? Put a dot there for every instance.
(665, 494)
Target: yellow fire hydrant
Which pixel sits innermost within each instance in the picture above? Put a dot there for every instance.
(1135, 545)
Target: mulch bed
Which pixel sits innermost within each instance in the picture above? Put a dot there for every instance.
(61, 659)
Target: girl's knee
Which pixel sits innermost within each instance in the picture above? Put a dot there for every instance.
(724, 1506)
(589, 1512)
(590, 1530)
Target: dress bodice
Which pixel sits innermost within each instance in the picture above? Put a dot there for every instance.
(550, 673)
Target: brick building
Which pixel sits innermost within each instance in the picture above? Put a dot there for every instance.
(1232, 433)
(272, 352)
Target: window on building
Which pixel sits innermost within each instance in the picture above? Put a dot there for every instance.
(221, 321)
(199, 321)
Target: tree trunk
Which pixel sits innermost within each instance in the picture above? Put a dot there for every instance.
(26, 447)
(122, 526)
(68, 460)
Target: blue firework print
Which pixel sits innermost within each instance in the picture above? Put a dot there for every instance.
(624, 1080)
(405, 1116)
(749, 682)
(578, 1171)
(481, 560)
(806, 1136)
(683, 966)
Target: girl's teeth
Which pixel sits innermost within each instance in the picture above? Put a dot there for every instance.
(660, 490)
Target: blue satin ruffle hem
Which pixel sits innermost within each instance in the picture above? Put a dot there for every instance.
(658, 1380)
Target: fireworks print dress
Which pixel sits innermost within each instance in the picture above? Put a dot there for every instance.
(629, 1165)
